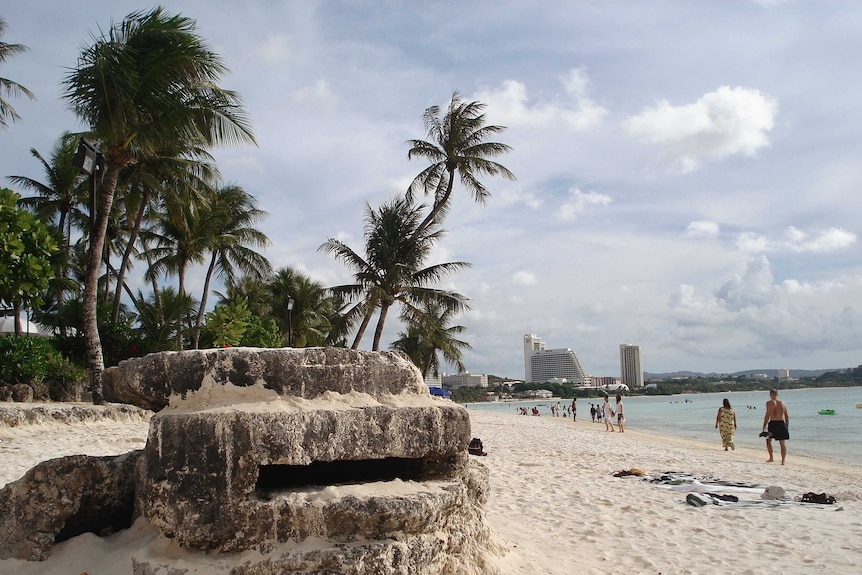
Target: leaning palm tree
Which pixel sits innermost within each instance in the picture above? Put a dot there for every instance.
(149, 81)
(234, 213)
(392, 270)
(177, 173)
(8, 87)
(428, 333)
(458, 143)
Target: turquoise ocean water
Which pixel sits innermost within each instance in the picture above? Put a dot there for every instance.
(836, 436)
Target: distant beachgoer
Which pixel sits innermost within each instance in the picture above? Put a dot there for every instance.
(535, 411)
(776, 423)
(574, 409)
(607, 414)
(725, 422)
(593, 412)
(620, 417)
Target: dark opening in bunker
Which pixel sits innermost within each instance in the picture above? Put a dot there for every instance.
(320, 473)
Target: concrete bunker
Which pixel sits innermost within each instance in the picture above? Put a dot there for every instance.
(344, 447)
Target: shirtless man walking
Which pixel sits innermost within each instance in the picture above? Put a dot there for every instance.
(777, 423)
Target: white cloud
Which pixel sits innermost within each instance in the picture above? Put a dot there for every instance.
(275, 49)
(702, 229)
(826, 241)
(511, 104)
(755, 287)
(319, 94)
(796, 240)
(579, 201)
(726, 122)
(751, 315)
(509, 197)
(524, 277)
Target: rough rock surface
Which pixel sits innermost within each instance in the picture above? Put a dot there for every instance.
(204, 497)
(13, 415)
(61, 498)
(149, 381)
(457, 542)
(21, 392)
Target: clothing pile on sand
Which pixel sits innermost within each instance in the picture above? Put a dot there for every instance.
(706, 490)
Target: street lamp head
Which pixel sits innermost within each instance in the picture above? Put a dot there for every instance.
(289, 304)
(87, 158)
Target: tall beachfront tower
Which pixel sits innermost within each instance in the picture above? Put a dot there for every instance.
(541, 365)
(532, 343)
(631, 366)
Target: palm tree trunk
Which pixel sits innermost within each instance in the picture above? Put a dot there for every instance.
(196, 334)
(427, 366)
(60, 272)
(182, 290)
(16, 309)
(361, 331)
(157, 293)
(127, 257)
(384, 309)
(95, 359)
(432, 215)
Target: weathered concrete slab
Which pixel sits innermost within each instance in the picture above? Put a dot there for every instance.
(149, 381)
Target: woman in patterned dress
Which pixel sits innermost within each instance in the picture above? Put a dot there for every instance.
(725, 422)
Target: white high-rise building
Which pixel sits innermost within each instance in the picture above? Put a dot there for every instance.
(532, 343)
(631, 366)
(541, 364)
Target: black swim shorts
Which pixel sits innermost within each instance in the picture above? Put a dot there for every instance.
(778, 429)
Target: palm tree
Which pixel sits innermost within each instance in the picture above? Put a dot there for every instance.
(184, 233)
(170, 173)
(254, 290)
(308, 324)
(158, 320)
(59, 198)
(234, 213)
(62, 195)
(150, 81)
(8, 87)
(429, 333)
(457, 144)
(392, 270)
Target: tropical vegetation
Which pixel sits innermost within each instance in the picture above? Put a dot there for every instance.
(8, 87)
(101, 253)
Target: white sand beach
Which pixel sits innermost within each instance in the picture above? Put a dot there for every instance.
(555, 502)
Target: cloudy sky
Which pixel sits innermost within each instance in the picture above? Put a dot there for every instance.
(689, 173)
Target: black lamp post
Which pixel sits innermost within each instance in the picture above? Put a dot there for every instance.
(91, 162)
(289, 322)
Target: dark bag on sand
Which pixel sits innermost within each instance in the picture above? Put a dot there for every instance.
(476, 447)
(812, 497)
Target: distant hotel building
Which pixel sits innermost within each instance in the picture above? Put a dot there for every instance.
(541, 365)
(465, 380)
(631, 366)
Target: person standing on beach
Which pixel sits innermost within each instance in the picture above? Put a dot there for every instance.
(593, 412)
(725, 423)
(574, 409)
(607, 414)
(777, 423)
(620, 418)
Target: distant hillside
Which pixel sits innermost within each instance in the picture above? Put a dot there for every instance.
(748, 372)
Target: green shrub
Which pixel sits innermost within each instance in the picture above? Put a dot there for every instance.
(22, 359)
(25, 359)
